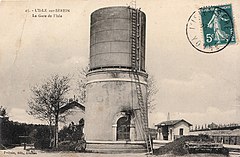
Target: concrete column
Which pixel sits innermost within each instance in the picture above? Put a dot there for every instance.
(132, 132)
(160, 136)
(114, 132)
(170, 133)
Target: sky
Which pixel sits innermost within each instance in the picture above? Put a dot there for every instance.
(201, 88)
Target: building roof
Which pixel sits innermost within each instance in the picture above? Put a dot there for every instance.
(71, 105)
(172, 122)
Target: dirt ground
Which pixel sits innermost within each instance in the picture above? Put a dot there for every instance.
(21, 153)
(70, 154)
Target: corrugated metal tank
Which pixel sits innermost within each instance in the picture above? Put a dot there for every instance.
(110, 40)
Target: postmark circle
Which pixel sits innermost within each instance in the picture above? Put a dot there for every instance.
(210, 29)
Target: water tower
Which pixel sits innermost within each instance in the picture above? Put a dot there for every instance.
(117, 81)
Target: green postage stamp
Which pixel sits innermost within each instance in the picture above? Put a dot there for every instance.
(217, 25)
(210, 29)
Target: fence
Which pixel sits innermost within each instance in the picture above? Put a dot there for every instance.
(226, 139)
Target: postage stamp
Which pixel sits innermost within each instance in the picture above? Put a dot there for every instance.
(217, 26)
(211, 28)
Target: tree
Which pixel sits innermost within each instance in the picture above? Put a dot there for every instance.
(152, 90)
(47, 100)
(3, 118)
(3, 111)
(81, 84)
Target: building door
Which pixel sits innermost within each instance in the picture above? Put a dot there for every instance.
(123, 128)
(165, 132)
(181, 132)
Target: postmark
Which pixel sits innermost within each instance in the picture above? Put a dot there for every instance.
(211, 29)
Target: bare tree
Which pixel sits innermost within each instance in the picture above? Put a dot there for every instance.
(47, 100)
(152, 90)
(81, 84)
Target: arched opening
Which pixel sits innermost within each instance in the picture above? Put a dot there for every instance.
(123, 128)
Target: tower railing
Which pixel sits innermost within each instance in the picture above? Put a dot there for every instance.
(141, 119)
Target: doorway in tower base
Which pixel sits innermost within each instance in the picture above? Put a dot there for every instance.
(123, 128)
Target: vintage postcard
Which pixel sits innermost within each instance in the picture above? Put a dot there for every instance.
(120, 78)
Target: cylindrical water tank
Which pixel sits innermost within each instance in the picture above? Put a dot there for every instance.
(111, 86)
(110, 40)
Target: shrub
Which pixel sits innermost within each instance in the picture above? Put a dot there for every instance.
(42, 143)
(72, 146)
(177, 147)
